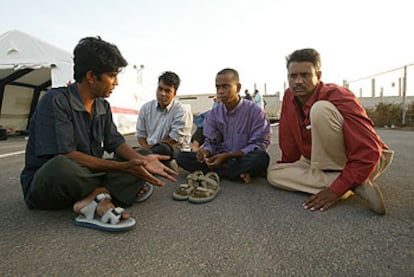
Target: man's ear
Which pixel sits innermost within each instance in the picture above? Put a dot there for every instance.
(319, 75)
(90, 77)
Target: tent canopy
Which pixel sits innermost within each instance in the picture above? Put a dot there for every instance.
(28, 66)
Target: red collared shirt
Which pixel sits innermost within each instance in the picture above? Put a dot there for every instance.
(363, 145)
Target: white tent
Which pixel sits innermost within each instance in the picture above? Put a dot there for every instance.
(28, 67)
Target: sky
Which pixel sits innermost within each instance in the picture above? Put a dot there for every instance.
(198, 38)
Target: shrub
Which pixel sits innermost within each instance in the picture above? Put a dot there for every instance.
(391, 114)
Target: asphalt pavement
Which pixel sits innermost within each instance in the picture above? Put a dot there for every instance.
(249, 230)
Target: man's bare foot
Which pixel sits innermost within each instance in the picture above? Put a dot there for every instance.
(103, 206)
(246, 178)
(195, 146)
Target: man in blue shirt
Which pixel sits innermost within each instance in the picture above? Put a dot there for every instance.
(68, 134)
(237, 133)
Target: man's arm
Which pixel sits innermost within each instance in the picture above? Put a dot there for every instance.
(97, 164)
(170, 141)
(144, 144)
(260, 131)
(287, 139)
(181, 126)
(218, 159)
(135, 164)
(141, 130)
(151, 163)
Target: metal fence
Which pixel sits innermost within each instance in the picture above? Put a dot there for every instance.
(396, 83)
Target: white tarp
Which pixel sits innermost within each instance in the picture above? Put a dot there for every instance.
(27, 65)
(19, 51)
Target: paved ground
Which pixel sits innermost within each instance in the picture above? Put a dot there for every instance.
(248, 230)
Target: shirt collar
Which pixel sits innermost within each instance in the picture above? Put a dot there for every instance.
(167, 109)
(237, 106)
(77, 103)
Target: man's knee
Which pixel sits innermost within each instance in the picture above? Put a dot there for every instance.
(63, 168)
(185, 157)
(259, 158)
(323, 110)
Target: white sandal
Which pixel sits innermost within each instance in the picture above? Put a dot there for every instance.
(110, 221)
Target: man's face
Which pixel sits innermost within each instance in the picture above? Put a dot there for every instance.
(105, 84)
(303, 79)
(227, 88)
(165, 94)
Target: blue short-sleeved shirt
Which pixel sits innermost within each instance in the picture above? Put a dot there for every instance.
(61, 125)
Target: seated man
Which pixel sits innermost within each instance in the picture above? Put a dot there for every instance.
(237, 133)
(68, 134)
(328, 143)
(164, 125)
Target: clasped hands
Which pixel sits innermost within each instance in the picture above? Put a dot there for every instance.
(203, 156)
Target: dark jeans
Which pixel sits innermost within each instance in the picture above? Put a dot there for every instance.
(61, 182)
(163, 148)
(255, 163)
(198, 136)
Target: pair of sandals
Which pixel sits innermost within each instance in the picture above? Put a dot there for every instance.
(199, 188)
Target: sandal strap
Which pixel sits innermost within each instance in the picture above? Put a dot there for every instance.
(102, 196)
(183, 186)
(89, 210)
(202, 192)
(209, 185)
(211, 181)
(195, 176)
(113, 215)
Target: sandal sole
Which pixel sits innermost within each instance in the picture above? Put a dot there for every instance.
(124, 225)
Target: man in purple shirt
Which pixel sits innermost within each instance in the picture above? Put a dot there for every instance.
(237, 133)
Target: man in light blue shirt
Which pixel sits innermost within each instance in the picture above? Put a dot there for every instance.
(164, 125)
(258, 99)
(237, 133)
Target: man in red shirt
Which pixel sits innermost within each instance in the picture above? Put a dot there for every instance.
(328, 143)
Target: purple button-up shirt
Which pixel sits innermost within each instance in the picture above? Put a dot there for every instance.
(245, 128)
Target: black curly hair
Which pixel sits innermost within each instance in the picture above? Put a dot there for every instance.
(170, 79)
(96, 55)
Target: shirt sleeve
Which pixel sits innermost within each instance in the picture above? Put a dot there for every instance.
(181, 125)
(260, 132)
(54, 129)
(140, 127)
(287, 143)
(113, 139)
(210, 133)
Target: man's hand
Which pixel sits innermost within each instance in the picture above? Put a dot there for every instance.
(216, 160)
(144, 144)
(137, 168)
(202, 155)
(154, 166)
(145, 168)
(322, 201)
